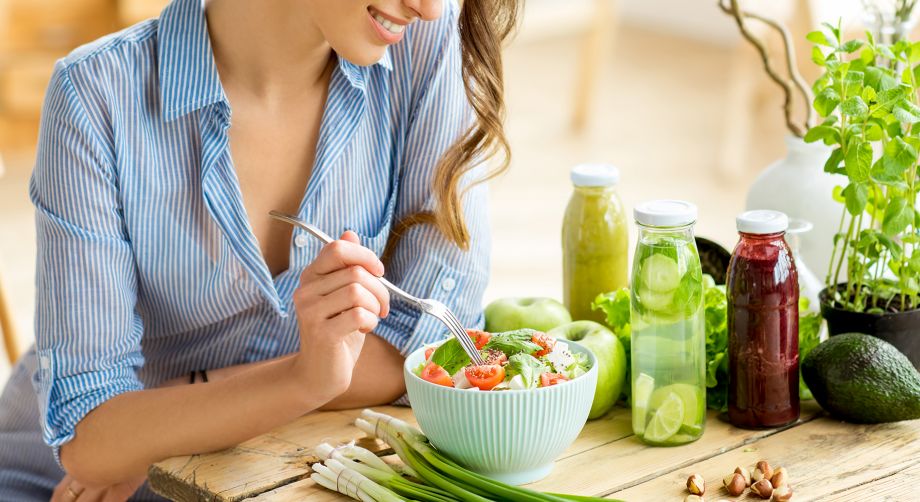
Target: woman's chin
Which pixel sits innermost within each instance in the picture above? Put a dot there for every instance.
(365, 56)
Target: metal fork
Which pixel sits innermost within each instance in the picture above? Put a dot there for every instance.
(428, 306)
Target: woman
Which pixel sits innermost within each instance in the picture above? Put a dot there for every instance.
(159, 268)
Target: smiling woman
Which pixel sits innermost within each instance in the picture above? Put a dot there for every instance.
(173, 316)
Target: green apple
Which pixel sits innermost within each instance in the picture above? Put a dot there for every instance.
(611, 360)
(541, 314)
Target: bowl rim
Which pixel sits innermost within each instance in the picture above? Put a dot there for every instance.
(408, 373)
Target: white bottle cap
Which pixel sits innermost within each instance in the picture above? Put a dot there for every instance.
(595, 175)
(665, 213)
(762, 221)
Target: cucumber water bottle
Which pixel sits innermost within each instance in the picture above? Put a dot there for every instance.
(668, 346)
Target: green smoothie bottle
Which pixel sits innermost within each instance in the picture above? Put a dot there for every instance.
(595, 242)
(668, 342)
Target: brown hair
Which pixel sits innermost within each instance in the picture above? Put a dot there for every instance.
(484, 26)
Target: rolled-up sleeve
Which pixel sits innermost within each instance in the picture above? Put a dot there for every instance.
(424, 262)
(87, 330)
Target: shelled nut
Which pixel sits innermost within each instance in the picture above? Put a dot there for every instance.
(762, 488)
(734, 484)
(780, 477)
(696, 484)
(762, 471)
(693, 498)
(782, 493)
(746, 474)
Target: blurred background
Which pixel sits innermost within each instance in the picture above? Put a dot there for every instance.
(665, 89)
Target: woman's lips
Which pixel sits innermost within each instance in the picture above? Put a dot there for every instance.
(390, 32)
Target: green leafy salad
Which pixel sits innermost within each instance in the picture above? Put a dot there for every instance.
(616, 307)
(520, 359)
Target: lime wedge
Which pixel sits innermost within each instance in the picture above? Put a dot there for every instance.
(692, 399)
(666, 420)
(642, 391)
(660, 273)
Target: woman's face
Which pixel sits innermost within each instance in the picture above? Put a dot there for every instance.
(360, 30)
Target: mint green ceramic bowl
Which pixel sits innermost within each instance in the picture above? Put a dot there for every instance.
(512, 435)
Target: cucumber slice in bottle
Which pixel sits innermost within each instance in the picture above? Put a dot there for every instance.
(660, 273)
(655, 300)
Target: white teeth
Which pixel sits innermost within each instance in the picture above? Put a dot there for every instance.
(391, 27)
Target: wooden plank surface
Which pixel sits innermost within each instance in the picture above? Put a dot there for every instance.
(827, 460)
(624, 462)
(824, 457)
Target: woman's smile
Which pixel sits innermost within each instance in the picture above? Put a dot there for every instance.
(389, 28)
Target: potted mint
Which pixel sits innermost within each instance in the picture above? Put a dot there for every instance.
(868, 99)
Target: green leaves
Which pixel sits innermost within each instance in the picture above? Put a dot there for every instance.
(858, 161)
(898, 215)
(851, 46)
(826, 101)
(819, 38)
(854, 108)
(513, 342)
(829, 134)
(856, 196)
(450, 356)
(528, 367)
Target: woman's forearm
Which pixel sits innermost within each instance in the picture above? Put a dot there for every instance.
(129, 432)
(123, 436)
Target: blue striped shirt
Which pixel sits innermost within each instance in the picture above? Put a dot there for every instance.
(147, 266)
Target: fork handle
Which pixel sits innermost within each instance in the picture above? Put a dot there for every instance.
(323, 236)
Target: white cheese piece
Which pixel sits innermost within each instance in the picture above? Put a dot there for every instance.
(516, 383)
(560, 357)
(460, 380)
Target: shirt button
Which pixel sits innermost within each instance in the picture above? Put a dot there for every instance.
(448, 284)
(301, 240)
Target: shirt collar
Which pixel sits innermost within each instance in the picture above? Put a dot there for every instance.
(188, 75)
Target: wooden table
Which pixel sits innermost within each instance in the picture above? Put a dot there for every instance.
(827, 460)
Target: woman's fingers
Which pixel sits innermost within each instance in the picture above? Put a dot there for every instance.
(343, 253)
(345, 298)
(355, 319)
(339, 279)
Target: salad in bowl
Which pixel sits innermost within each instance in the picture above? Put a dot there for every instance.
(513, 360)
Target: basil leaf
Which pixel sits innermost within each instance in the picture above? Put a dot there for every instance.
(450, 356)
(513, 342)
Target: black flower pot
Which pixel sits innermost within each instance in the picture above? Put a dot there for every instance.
(901, 329)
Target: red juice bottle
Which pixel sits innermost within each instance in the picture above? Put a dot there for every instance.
(763, 324)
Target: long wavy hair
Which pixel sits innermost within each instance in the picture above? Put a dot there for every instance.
(484, 26)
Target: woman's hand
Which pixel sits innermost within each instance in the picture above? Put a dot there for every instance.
(69, 490)
(338, 302)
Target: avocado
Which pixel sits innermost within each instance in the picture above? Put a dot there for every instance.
(863, 379)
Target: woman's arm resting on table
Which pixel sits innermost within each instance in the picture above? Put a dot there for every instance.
(339, 301)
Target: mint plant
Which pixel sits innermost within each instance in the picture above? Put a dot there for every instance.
(868, 99)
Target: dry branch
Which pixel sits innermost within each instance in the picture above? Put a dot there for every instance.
(795, 78)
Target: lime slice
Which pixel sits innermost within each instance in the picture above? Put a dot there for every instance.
(642, 391)
(660, 273)
(666, 421)
(690, 396)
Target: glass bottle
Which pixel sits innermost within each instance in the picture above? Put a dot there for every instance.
(595, 240)
(668, 348)
(763, 324)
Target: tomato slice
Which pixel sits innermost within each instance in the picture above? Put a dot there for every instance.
(428, 352)
(485, 376)
(545, 341)
(548, 379)
(480, 337)
(436, 375)
(494, 356)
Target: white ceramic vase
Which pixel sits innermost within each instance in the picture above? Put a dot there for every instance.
(798, 186)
